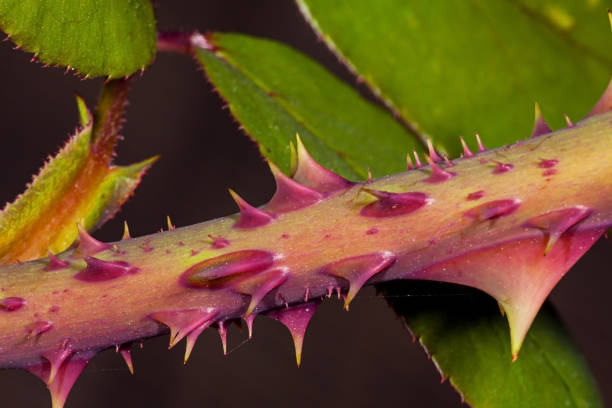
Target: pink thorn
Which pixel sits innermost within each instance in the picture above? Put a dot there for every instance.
(330, 290)
(307, 295)
(568, 121)
(125, 351)
(493, 209)
(182, 322)
(437, 174)
(604, 104)
(311, 174)
(98, 270)
(393, 204)
(290, 195)
(218, 242)
(171, 226)
(466, 150)
(557, 222)
(10, 304)
(260, 285)
(502, 167)
(223, 335)
(215, 272)
(65, 378)
(432, 152)
(359, 269)
(126, 231)
(192, 337)
(481, 147)
(88, 245)
(250, 217)
(339, 292)
(540, 127)
(409, 164)
(56, 358)
(416, 159)
(37, 328)
(249, 322)
(296, 319)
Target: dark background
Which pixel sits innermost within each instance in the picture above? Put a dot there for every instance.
(357, 359)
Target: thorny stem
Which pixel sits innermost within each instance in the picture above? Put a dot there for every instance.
(427, 223)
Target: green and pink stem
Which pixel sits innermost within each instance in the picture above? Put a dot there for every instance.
(509, 221)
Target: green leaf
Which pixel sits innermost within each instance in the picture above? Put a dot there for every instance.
(449, 98)
(473, 65)
(79, 185)
(467, 338)
(276, 92)
(113, 38)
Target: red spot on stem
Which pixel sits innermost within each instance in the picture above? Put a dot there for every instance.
(547, 163)
(218, 242)
(10, 304)
(476, 195)
(502, 167)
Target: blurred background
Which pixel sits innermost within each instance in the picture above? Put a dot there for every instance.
(357, 359)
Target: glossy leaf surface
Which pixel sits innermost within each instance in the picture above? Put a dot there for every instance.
(112, 38)
(276, 92)
(473, 66)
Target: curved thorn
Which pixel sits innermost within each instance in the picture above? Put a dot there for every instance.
(409, 164)
(296, 319)
(126, 353)
(481, 147)
(250, 217)
(432, 152)
(290, 195)
(416, 159)
(466, 150)
(311, 174)
(604, 104)
(88, 245)
(540, 126)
